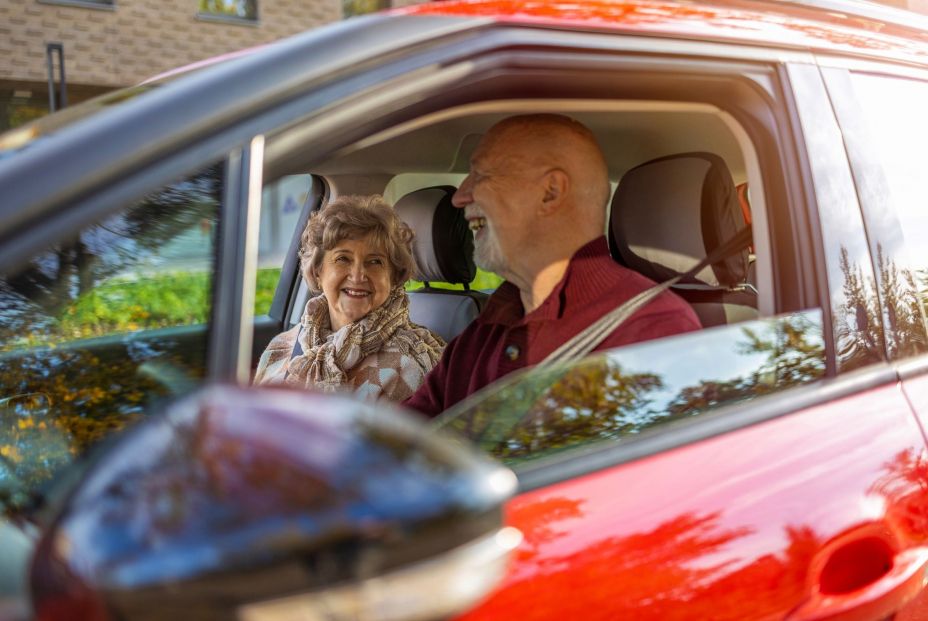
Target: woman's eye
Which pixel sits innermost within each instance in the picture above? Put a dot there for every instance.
(376, 262)
(341, 259)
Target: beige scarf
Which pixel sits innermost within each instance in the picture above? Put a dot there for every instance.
(328, 358)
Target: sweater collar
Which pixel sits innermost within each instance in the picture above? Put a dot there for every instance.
(586, 276)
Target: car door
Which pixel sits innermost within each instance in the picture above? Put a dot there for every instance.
(764, 470)
(105, 319)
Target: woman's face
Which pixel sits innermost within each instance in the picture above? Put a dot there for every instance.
(355, 277)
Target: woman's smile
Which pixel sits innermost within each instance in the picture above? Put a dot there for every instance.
(355, 277)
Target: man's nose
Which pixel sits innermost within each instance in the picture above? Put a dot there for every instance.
(461, 197)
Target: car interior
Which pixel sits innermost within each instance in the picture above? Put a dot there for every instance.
(681, 173)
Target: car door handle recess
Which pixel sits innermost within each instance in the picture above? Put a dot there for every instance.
(863, 579)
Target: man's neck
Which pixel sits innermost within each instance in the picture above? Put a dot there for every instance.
(540, 287)
(536, 283)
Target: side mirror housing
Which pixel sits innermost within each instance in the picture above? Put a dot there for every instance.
(258, 504)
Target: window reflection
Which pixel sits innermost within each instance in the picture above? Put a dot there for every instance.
(631, 390)
(893, 110)
(96, 327)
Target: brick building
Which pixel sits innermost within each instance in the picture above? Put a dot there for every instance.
(108, 44)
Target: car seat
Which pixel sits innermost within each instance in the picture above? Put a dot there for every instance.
(444, 252)
(670, 213)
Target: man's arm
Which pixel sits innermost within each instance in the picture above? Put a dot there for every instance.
(430, 397)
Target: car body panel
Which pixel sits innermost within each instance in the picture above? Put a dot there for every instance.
(766, 23)
(727, 528)
(737, 520)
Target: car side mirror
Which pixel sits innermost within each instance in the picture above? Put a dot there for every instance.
(260, 504)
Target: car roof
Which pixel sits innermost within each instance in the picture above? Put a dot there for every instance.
(847, 27)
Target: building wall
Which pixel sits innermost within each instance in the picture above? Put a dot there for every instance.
(121, 44)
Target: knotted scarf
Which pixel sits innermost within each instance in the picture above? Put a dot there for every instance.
(330, 361)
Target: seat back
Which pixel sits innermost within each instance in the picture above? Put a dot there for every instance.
(444, 250)
(670, 213)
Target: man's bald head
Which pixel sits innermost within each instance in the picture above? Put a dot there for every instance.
(535, 194)
(555, 141)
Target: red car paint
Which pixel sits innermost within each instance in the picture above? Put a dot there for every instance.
(744, 22)
(729, 528)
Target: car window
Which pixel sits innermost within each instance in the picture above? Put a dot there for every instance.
(281, 204)
(893, 109)
(96, 327)
(629, 391)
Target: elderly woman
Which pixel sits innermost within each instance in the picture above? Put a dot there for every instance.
(356, 334)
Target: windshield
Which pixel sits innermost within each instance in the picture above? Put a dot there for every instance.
(629, 391)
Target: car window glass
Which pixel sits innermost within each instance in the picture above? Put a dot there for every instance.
(281, 204)
(894, 110)
(632, 390)
(96, 327)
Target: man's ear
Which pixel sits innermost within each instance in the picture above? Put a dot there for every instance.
(556, 185)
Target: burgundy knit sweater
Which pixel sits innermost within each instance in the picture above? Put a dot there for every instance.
(503, 339)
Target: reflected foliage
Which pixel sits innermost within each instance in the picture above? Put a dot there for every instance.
(904, 485)
(614, 396)
(793, 354)
(667, 572)
(905, 314)
(592, 402)
(858, 332)
(35, 300)
(86, 341)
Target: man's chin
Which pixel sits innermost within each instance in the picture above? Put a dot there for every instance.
(489, 263)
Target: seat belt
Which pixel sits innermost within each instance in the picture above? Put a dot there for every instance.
(590, 337)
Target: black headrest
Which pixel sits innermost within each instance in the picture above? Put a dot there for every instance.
(444, 245)
(670, 213)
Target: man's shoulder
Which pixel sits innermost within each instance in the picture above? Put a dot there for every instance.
(628, 283)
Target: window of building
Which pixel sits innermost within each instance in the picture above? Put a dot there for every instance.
(235, 9)
(351, 8)
(104, 4)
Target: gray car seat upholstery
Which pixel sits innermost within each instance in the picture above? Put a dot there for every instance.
(672, 212)
(444, 249)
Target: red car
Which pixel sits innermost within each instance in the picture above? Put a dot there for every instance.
(770, 466)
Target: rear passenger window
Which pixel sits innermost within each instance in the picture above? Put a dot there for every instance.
(281, 204)
(894, 110)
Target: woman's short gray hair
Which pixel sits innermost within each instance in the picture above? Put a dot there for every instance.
(357, 217)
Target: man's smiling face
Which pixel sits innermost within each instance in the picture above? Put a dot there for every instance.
(498, 196)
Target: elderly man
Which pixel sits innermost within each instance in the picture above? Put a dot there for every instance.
(536, 200)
